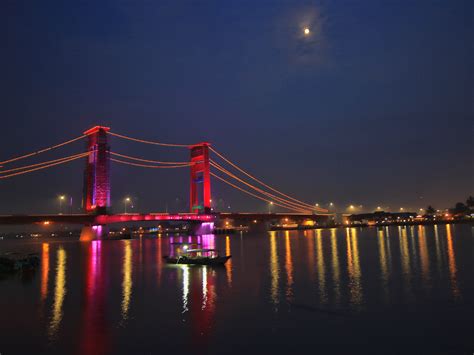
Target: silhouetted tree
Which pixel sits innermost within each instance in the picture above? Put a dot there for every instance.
(460, 208)
(430, 210)
(470, 202)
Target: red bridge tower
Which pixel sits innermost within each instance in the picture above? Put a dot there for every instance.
(97, 172)
(200, 199)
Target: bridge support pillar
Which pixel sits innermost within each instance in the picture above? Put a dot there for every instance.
(95, 232)
(97, 172)
(200, 187)
(201, 228)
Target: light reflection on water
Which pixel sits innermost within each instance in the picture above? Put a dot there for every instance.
(335, 266)
(127, 279)
(44, 271)
(103, 287)
(59, 293)
(452, 263)
(321, 267)
(288, 268)
(274, 270)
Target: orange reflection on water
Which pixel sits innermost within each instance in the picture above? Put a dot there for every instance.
(59, 293)
(228, 265)
(335, 265)
(439, 260)
(127, 278)
(288, 267)
(44, 271)
(452, 263)
(321, 268)
(353, 266)
(383, 258)
(274, 269)
(404, 251)
(405, 260)
(310, 239)
(425, 262)
(413, 249)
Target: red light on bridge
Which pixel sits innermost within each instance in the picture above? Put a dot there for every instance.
(96, 129)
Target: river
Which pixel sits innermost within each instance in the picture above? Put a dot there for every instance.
(330, 291)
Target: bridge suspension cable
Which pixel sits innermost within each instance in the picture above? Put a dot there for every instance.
(151, 166)
(254, 195)
(42, 163)
(263, 184)
(150, 161)
(62, 161)
(42, 150)
(148, 142)
(279, 199)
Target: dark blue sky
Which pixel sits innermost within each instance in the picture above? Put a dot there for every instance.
(375, 107)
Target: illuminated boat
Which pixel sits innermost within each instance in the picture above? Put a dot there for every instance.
(198, 257)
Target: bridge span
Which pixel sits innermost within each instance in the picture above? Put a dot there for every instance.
(96, 198)
(89, 219)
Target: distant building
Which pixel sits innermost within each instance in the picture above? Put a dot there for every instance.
(380, 217)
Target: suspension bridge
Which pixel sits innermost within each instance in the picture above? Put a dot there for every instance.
(204, 163)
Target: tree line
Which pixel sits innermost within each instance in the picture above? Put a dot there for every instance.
(460, 208)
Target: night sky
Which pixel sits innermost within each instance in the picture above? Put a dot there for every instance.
(373, 107)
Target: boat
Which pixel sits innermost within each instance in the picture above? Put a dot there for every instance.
(197, 257)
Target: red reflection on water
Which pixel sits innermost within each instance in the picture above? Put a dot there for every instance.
(44, 271)
(288, 267)
(159, 257)
(94, 333)
(202, 308)
(452, 263)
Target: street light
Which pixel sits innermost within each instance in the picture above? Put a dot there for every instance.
(270, 207)
(61, 199)
(125, 202)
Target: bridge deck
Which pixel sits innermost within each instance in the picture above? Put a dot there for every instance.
(103, 219)
(144, 217)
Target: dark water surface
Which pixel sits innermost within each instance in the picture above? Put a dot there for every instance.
(342, 291)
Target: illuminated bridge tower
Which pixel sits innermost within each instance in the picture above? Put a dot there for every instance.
(200, 189)
(97, 173)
